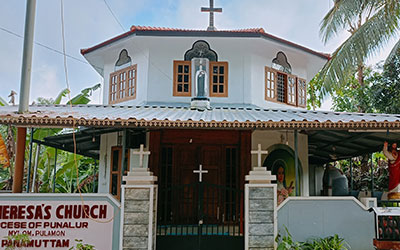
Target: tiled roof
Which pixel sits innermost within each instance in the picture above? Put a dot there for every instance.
(159, 31)
(185, 117)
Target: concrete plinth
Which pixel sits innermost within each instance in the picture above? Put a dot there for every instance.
(139, 211)
(260, 211)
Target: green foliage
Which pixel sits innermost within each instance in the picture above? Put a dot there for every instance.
(380, 91)
(16, 240)
(66, 169)
(362, 172)
(327, 243)
(287, 242)
(371, 23)
(81, 246)
(3, 102)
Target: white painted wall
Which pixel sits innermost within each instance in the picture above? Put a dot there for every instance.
(247, 58)
(107, 141)
(270, 138)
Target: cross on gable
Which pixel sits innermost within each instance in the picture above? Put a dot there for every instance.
(212, 10)
(259, 153)
(200, 172)
(141, 154)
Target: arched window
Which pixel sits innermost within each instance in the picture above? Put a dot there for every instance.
(281, 86)
(123, 79)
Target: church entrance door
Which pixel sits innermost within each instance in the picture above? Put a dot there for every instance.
(200, 202)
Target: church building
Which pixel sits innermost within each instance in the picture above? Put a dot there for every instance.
(196, 110)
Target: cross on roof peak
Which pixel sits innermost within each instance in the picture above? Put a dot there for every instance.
(212, 10)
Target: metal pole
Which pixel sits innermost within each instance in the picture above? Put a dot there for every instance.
(123, 158)
(372, 177)
(94, 175)
(35, 167)
(28, 179)
(27, 56)
(296, 162)
(351, 174)
(19, 161)
(55, 171)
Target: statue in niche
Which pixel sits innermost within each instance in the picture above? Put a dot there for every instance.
(394, 170)
(201, 81)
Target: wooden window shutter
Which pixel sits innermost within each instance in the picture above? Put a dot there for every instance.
(270, 84)
(291, 90)
(218, 79)
(182, 78)
(301, 92)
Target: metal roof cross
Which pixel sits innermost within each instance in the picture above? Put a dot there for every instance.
(141, 154)
(259, 153)
(212, 10)
(200, 172)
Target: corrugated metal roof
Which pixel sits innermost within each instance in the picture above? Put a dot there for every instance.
(161, 116)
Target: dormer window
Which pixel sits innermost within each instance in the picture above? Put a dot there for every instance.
(123, 79)
(185, 72)
(281, 86)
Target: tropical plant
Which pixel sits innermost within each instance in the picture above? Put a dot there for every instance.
(66, 172)
(287, 242)
(17, 241)
(328, 243)
(371, 24)
(81, 246)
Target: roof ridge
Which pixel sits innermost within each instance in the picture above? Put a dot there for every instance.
(159, 28)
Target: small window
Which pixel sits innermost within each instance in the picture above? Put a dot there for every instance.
(301, 92)
(218, 79)
(270, 84)
(115, 170)
(281, 87)
(123, 85)
(182, 78)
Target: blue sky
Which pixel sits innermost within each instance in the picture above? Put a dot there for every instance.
(89, 22)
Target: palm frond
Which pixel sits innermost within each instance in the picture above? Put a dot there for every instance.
(342, 15)
(395, 51)
(364, 43)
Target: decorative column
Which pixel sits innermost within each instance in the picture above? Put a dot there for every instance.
(139, 207)
(260, 207)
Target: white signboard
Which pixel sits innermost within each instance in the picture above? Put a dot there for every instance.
(57, 224)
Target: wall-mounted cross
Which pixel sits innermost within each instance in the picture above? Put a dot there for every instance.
(141, 154)
(259, 153)
(200, 172)
(212, 10)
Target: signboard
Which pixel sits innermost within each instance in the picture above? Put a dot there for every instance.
(57, 224)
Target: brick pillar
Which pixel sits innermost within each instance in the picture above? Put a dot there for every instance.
(139, 211)
(260, 210)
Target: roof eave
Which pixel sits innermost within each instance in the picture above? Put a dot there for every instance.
(201, 33)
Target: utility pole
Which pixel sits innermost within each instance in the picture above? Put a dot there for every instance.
(24, 93)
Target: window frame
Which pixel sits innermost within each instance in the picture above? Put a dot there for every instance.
(211, 76)
(119, 170)
(299, 97)
(274, 80)
(175, 83)
(117, 84)
(288, 93)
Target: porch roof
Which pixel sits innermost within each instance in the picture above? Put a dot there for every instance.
(181, 116)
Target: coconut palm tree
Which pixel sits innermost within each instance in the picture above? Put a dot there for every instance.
(371, 24)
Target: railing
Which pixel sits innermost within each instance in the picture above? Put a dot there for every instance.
(200, 209)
